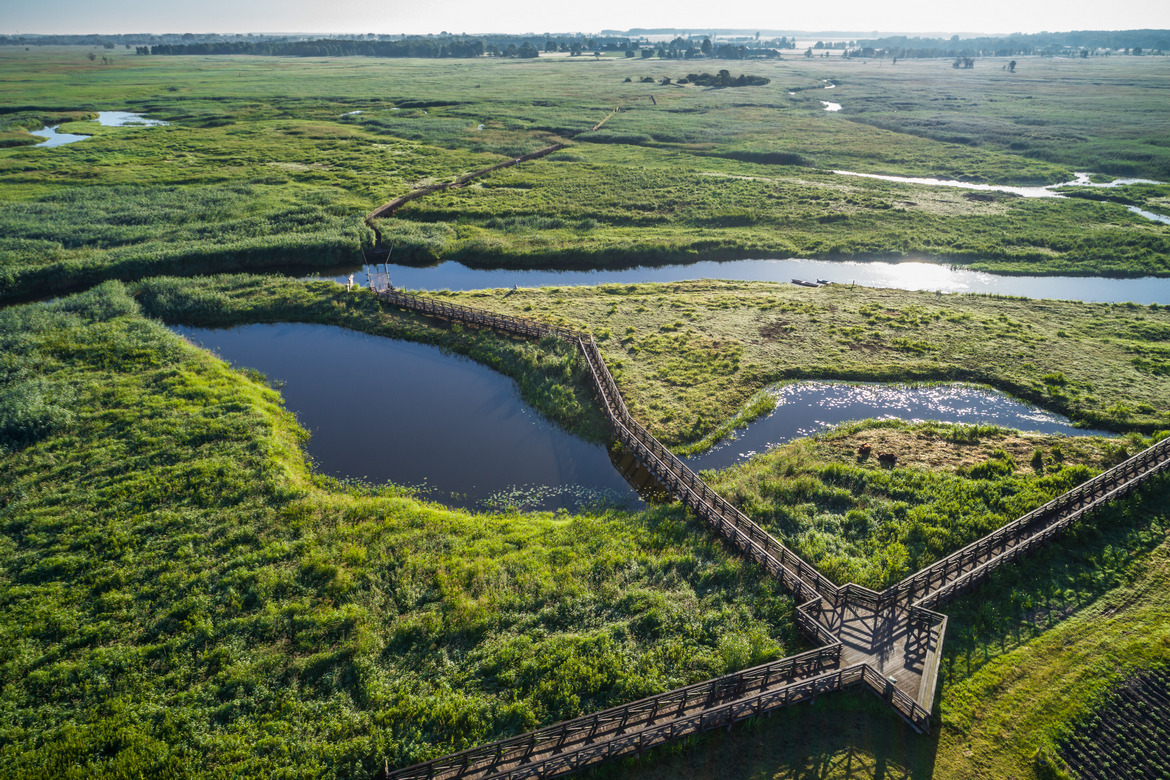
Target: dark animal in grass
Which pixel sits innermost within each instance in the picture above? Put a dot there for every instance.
(864, 450)
(887, 458)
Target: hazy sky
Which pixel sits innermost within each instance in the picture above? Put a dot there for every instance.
(476, 16)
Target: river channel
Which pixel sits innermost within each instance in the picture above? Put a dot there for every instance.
(384, 410)
(909, 275)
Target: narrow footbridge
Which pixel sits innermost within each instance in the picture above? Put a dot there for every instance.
(889, 642)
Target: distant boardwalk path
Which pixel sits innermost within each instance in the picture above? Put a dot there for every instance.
(888, 641)
(387, 209)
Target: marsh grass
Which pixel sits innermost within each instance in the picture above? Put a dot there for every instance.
(859, 521)
(182, 595)
(689, 355)
(700, 173)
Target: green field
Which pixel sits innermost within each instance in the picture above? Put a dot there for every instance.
(163, 535)
(182, 596)
(264, 165)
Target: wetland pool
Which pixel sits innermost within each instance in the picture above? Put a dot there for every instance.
(806, 408)
(1046, 191)
(384, 410)
(104, 118)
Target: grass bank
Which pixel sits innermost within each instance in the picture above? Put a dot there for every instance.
(688, 355)
(181, 597)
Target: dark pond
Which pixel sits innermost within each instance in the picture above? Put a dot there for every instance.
(903, 276)
(386, 410)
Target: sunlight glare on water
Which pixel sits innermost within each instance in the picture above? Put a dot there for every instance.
(805, 408)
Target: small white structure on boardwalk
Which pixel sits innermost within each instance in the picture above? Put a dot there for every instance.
(379, 276)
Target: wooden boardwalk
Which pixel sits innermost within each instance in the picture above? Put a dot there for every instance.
(889, 642)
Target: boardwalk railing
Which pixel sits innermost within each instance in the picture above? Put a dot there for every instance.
(647, 722)
(387, 209)
(804, 580)
(723, 716)
(931, 586)
(629, 729)
(965, 568)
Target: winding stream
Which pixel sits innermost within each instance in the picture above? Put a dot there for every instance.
(1047, 191)
(908, 275)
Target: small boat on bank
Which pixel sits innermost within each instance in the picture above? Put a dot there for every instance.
(803, 283)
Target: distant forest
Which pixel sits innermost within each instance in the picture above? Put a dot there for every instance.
(476, 46)
(1082, 43)
(686, 45)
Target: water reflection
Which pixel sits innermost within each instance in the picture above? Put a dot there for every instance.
(805, 408)
(53, 138)
(104, 118)
(127, 119)
(1047, 191)
(388, 410)
(910, 275)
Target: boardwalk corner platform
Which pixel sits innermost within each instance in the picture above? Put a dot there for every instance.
(889, 642)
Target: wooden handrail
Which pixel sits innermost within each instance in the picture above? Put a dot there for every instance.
(631, 728)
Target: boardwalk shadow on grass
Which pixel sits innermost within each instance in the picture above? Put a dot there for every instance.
(853, 735)
(1022, 601)
(850, 735)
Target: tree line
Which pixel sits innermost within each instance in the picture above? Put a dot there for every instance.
(1078, 43)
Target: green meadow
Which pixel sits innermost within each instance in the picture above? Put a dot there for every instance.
(679, 172)
(181, 591)
(690, 355)
(181, 595)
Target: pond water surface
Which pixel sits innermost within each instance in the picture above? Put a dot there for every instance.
(386, 410)
(805, 408)
(1046, 191)
(908, 275)
(105, 118)
(53, 138)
